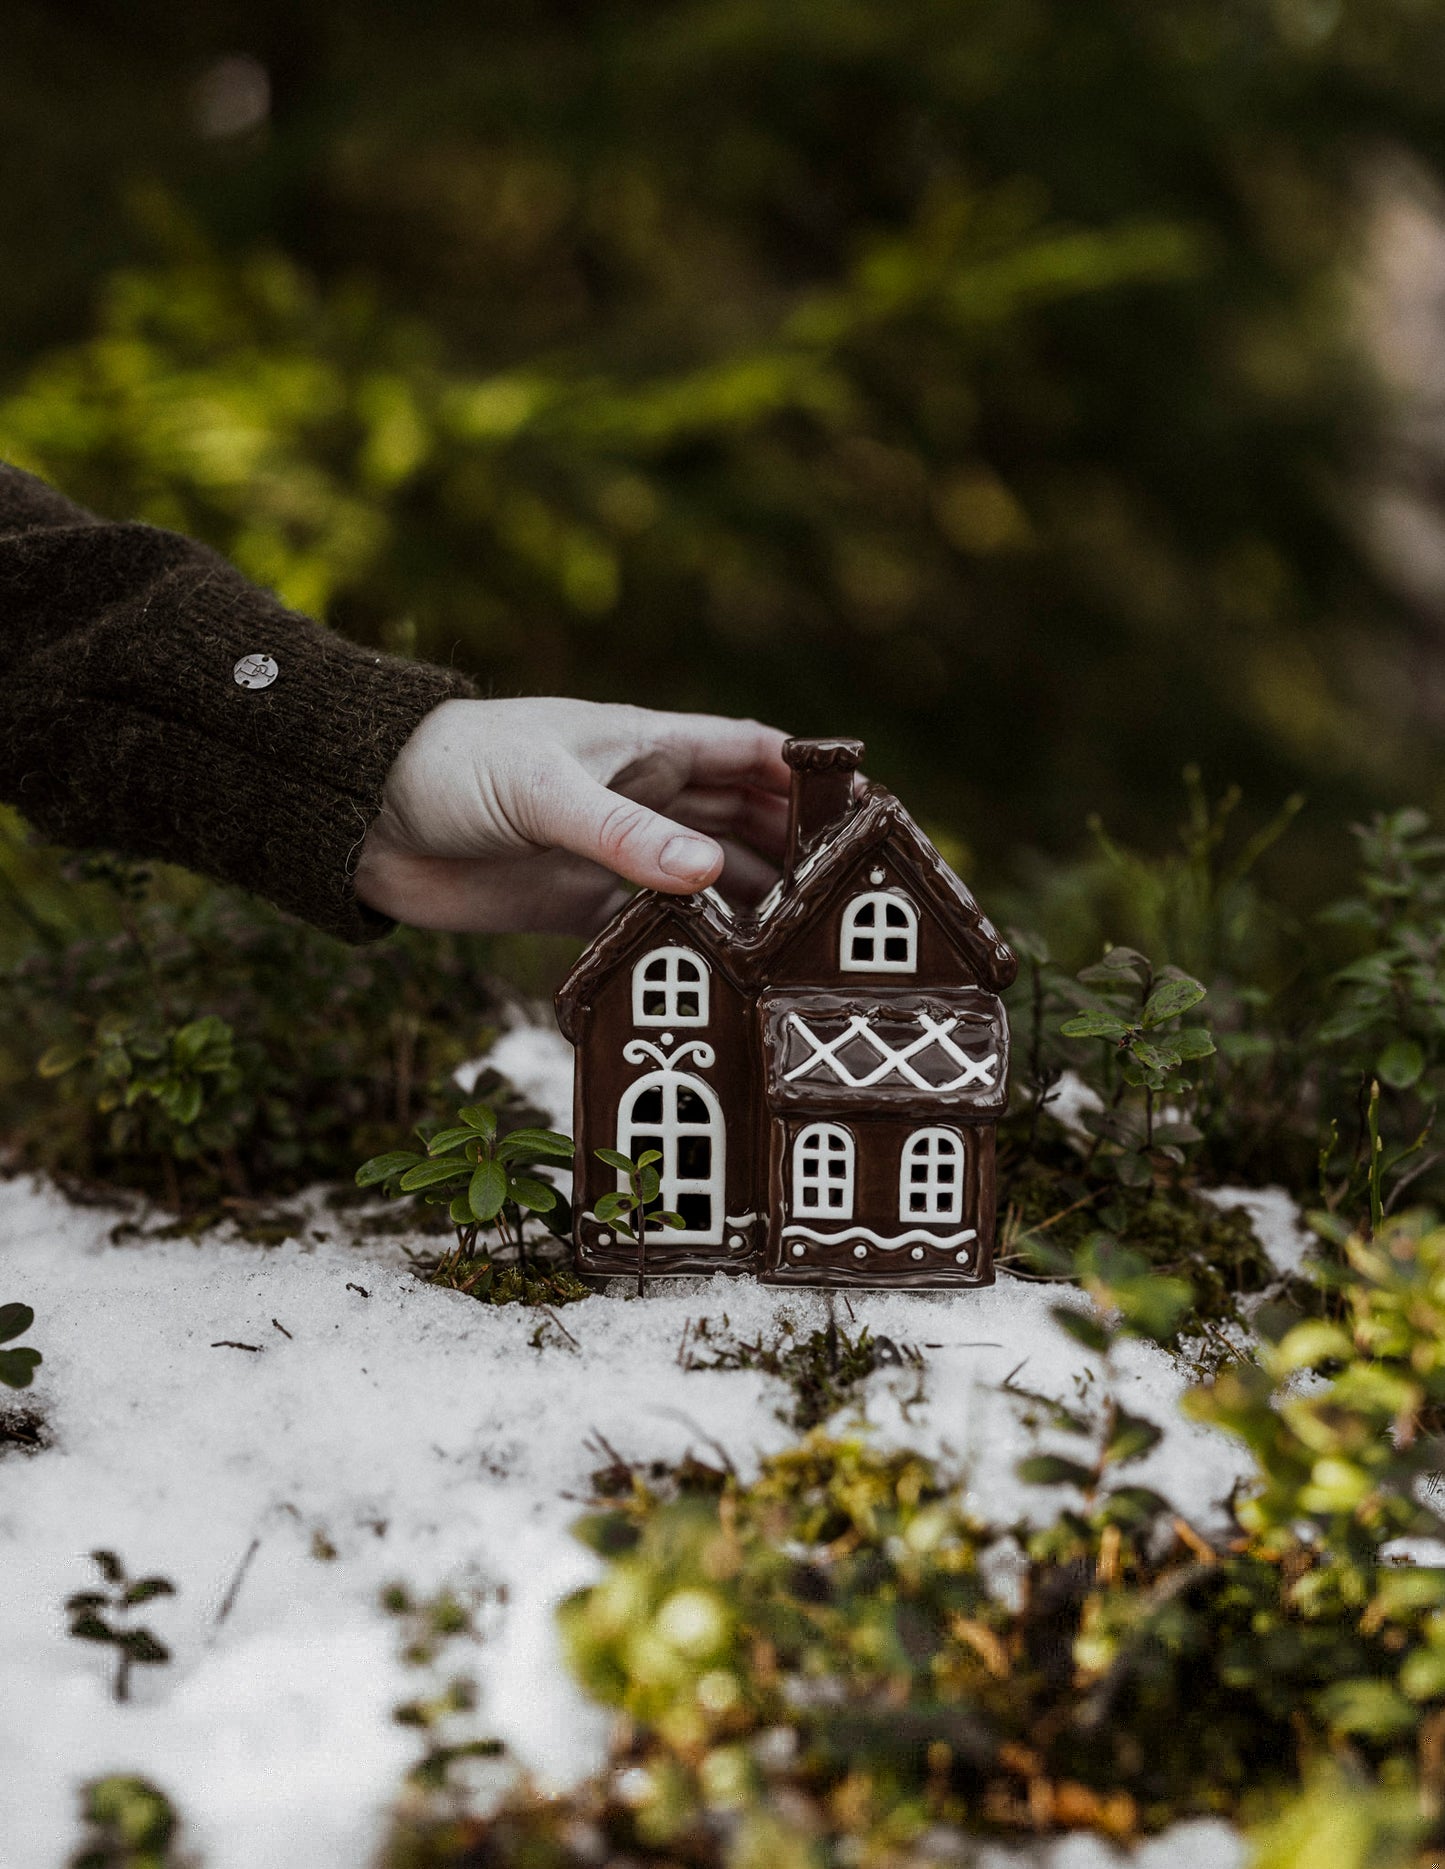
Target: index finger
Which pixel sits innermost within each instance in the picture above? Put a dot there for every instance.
(718, 751)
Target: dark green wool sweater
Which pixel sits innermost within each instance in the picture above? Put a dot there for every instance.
(123, 723)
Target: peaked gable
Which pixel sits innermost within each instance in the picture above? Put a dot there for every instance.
(880, 826)
(701, 921)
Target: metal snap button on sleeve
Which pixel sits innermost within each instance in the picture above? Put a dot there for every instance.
(255, 671)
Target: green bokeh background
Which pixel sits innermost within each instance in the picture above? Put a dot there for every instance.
(982, 377)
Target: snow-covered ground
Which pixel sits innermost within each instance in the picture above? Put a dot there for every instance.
(420, 1437)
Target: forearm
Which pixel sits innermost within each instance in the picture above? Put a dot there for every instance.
(122, 722)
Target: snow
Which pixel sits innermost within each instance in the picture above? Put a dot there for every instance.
(429, 1440)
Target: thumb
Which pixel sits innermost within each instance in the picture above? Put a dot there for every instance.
(580, 815)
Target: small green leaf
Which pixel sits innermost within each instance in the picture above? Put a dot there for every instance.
(1194, 1041)
(536, 1196)
(488, 1190)
(613, 1206)
(1170, 999)
(1400, 1064)
(1083, 1327)
(479, 1117)
(146, 1589)
(432, 1174)
(649, 1184)
(669, 1219)
(143, 1647)
(1095, 1025)
(459, 1209)
(648, 1157)
(1373, 1708)
(1053, 1470)
(538, 1142)
(15, 1320)
(109, 1566)
(1132, 1438)
(61, 1058)
(383, 1167)
(614, 1158)
(447, 1140)
(18, 1367)
(1133, 1170)
(90, 1628)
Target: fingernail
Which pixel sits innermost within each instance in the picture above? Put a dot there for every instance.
(687, 858)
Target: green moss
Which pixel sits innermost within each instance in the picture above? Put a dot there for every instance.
(1050, 1208)
(823, 1371)
(537, 1282)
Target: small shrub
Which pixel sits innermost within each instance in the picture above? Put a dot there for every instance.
(106, 1616)
(132, 1825)
(17, 1366)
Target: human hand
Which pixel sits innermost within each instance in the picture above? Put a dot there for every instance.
(521, 815)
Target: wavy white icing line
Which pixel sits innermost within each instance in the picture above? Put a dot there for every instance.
(866, 1233)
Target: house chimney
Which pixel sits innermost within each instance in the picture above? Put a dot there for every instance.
(822, 794)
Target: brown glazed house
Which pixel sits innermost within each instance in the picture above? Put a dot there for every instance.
(821, 1077)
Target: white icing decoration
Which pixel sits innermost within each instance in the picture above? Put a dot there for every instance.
(823, 1171)
(693, 1148)
(639, 1050)
(879, 934)
(670, 986)
(941, 1240)
(930, 1177)
(935, 1032)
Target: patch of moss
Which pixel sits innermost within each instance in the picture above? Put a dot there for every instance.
(491, 1281)
(824, 1371)
(1050, 1208)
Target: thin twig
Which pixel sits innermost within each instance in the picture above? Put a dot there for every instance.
(228, 1601)
(361, 1288)
(229, 1343)
(282, 1328)
(560, 1325)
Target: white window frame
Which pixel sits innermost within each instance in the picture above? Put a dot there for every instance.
(672, 1131)
(671, 986)
(942, 1199)
(814, 1149)
(878, 902)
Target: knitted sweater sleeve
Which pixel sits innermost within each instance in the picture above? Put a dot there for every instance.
(122, 723)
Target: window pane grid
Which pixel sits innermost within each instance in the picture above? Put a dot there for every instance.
(673, 1115)
(931, 1183)
(823, 1171)
(670, 987)
(879, 935)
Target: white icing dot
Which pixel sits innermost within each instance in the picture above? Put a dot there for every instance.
(604, 1239)
(875, 876)
(860, 1252)
(797, 1252)
(917, 1252)
(961, 1257)
(667, 1038)
(735, 1240)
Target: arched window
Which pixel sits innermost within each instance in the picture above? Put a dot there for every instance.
(823, 1171)
(681, 1118)
(880, 934)
(670, 987)
(930, 1184)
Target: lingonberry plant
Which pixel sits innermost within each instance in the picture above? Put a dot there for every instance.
(484, 1177)
(106, 1616)
(637, 1207)
(18, 1365)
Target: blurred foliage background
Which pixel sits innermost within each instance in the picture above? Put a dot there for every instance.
(1007, 381)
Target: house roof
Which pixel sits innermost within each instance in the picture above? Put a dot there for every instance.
(877, 821)
(741, 945)
(708, 924)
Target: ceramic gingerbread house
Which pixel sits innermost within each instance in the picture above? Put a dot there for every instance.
(822, 1077)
